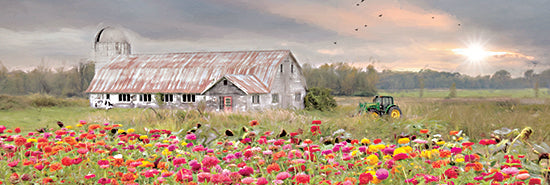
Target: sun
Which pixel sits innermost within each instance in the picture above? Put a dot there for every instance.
(475, 52)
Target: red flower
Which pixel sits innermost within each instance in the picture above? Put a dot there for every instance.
(365, 178)
(534, 181)
(66, 161)
(302, 178)
(376, 141)
(17, 130)
(487, 142)
(20, 141)
(316, 122)
(424, 131)
(452, 172)
(209, 162)
(315, 130)
(274, 167)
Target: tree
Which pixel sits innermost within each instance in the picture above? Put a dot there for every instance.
(319, 98)
(421, 84)
(452, 91)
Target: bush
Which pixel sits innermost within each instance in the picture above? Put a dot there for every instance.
(8, 102)
(319, 98)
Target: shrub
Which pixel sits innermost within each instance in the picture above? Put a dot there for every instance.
(319, 98)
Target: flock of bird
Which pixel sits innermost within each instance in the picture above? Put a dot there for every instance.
(379, 16)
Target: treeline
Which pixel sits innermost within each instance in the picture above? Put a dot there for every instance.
(61, 82)
(344, 79)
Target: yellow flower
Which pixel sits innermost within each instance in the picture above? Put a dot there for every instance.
(31, 140)
(121, 131)
(79, 125)
(69, 127)
(165, 141)
(131, 130)
(440, 143)
(460, 138)
(148, 145)
(408, 149)
(166, 152)
(183, 143)
(354, 152)
(399, 150)
(144, 163)
(143, 137)
(403, 141)
(372, 159)
(460, 160)
(365, 141)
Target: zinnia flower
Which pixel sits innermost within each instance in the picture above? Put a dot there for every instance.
(262, 181)
(283, 175)
(382, 174)
(302, 178)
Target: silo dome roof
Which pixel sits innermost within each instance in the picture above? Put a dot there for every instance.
(110, 34)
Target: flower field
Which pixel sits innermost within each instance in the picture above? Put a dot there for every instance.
(91, 153)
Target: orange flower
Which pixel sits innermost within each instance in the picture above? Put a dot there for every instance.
(128, 177)
(452, 132)
(20, 141)
(254, 123)
(70, 140)
(351, 179)
(117, 162)
(55, 167)
(424, 131)
(94, 126)
(278, 155)
(273, 167)
(444, 153)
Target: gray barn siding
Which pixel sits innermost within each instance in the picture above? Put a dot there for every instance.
(219, 90)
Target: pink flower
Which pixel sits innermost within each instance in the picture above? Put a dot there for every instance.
(261, 181)
(283, 175)
(400, 156)
(89, 176)
(523, 176)
(382, 174)
(191, 136)
(13, 163)
(247, 180)
(103, 163)
(204, 176)
(510, 170)
(246, 171)
(104, 181)
(209, 162)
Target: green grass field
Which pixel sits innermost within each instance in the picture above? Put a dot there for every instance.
(469, 93)
(478, 117)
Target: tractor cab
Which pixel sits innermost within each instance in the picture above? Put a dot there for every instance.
(381, 105)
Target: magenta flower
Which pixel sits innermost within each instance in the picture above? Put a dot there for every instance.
(246, 171)
(191, 136)
(104, 181)
(382, 174)
(209, 162)
(89, 176)
(456, 150)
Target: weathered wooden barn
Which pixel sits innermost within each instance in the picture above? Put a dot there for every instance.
(225, 80)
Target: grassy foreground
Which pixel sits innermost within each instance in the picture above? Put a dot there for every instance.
(477, 117)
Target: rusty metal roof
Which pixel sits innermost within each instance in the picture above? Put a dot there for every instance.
(190, 72)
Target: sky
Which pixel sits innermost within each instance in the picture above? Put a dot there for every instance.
(467, 36)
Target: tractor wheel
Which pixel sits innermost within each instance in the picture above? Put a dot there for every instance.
(395, 112)
(374, 114)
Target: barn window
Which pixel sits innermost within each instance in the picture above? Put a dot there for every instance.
(188, 98)
(291, 68)
(167, 98)
(224, 82)
(275, 98)
(256, 99)
(123, 97)
(297, 96)
(108, 96)
(145, 97)
(281, 68)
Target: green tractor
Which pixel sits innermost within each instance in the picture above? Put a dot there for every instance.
(381, 105)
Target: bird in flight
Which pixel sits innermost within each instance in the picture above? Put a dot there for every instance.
(334, 42)
(365, 25)
(380, 15)
(356, 29)
(433, 17)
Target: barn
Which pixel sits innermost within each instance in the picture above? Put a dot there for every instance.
(215, 80)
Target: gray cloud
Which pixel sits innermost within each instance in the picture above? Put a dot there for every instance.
(404, 38)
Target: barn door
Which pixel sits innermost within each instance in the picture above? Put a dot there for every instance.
(227, 103)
